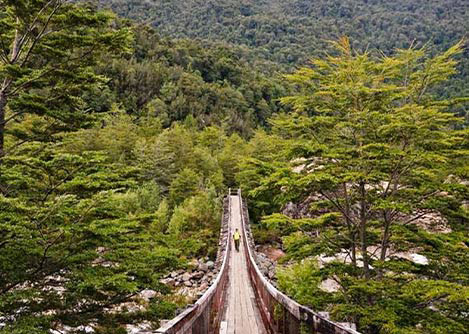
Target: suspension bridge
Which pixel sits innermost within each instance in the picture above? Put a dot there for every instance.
(241, 300)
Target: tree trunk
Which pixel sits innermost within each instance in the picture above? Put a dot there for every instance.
(386, 236)
(3, 104)
(354, 248)
(385, 241)
(5, 88)
(350, 226)
(387, 216)
(362, 232)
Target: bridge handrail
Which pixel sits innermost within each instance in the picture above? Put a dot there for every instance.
(200, 316)
(291, 317)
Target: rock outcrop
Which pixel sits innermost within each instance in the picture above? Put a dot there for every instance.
(193, 282)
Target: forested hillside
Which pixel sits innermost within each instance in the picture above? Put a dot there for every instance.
(175, 79)
(290, 32)
(118, 142)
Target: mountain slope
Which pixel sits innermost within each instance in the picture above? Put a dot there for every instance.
(291, 31)
(273, 34)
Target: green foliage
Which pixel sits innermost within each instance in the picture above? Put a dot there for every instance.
(93, 219)
(73, 228)
(301, 282)
(173, 80)
(233, 152)
(365, 151)
(146, 198)
(199, 213)
(47, 53)
(289, 33)
(162, 216)
(263, 156)
(185, 185)
(106, 211)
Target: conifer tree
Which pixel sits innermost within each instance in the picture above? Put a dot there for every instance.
(46, 50)
(376, 144)
(369, 152)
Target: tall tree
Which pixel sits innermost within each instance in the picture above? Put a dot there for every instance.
(46, 50)
(370, 151)
(377, 145)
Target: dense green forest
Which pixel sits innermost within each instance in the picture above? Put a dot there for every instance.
(363, 186)
(290, 32)
(117, 146)
(118, 143)
(172, 80)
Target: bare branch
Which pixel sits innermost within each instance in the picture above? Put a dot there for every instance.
(414, 219)
(41, 34)
(27, 36)
(337, 205)
(4, 52)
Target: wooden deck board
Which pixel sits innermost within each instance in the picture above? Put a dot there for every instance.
(242, 315)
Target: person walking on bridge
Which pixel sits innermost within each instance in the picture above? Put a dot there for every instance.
(236, 237)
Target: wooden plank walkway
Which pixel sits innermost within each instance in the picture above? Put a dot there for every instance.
(242, 315)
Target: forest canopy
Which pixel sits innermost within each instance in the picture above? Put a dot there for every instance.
(119, 139)
(363, 186)
(287, 33)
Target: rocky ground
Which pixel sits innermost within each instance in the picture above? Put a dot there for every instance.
(267, 257)
(192, 283)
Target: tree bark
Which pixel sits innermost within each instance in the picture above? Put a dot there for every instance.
(386, 236)
(385, 240)
(3, 104)
(362, 231)
(4, 90)
(388, 215)
(350, 226)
